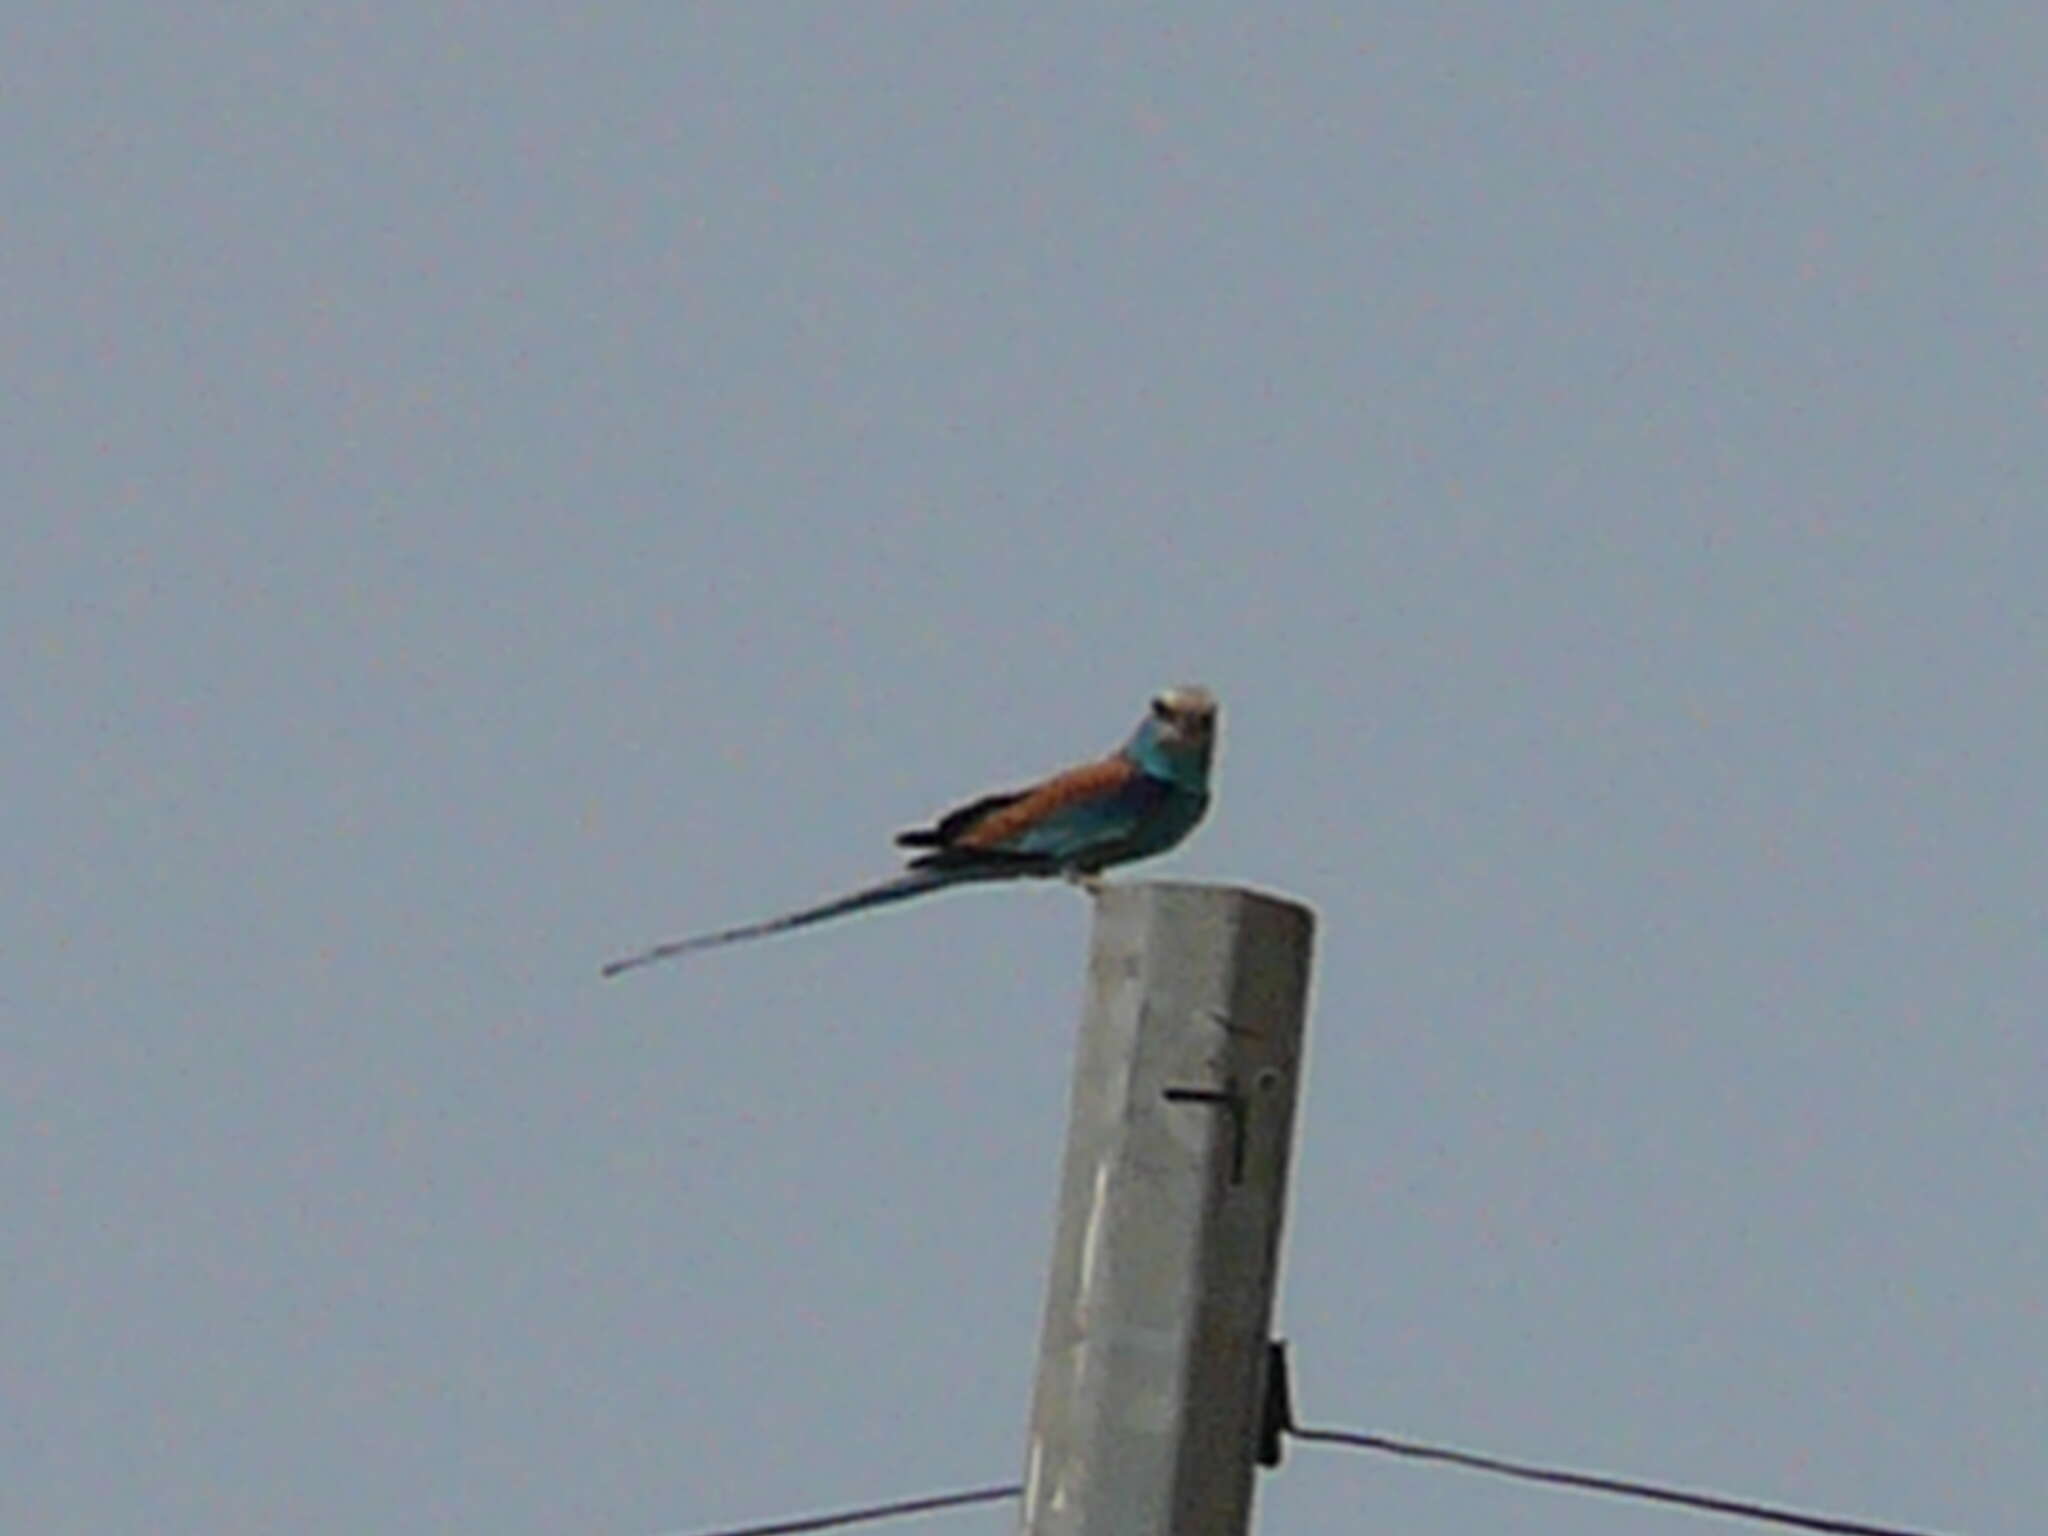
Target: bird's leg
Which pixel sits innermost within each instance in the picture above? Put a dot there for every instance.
(1091, 883)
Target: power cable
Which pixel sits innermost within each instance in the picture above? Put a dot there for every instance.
(1595, 1483)
(861, 1516)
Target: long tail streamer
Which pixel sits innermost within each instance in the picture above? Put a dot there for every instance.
(917, 882)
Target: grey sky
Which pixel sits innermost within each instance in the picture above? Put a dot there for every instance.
(494, 485)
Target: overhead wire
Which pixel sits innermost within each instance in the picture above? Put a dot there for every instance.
(1280, 1422)
(1594, 1482)
(862, 1515)
(1590, 1482)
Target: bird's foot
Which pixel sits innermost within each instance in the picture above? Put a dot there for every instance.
(1092, 884)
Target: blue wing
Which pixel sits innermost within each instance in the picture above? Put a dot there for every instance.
(1084, 819)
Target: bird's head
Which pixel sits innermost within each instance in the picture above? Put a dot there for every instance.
(1177, 737)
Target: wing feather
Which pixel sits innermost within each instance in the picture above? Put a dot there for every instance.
(954, 822)
(1015, 816)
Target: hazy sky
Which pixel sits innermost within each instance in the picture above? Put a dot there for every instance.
(494, 485)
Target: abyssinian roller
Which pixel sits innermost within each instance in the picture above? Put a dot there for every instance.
(1140, 800)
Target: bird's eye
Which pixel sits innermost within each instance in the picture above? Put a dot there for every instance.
(1161, 710)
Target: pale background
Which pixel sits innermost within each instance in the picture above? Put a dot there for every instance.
(493, 485)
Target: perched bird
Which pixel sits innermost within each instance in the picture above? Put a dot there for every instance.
(1141, 800)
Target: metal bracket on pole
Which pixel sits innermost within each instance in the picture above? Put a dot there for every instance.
(1155, 1385)
(1276, 1410)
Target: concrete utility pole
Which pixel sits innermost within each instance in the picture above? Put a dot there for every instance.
(1150, 1370)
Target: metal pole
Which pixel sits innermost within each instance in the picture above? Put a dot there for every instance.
(1150, 1368)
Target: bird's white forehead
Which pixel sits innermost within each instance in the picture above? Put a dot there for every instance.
(1188, 699)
